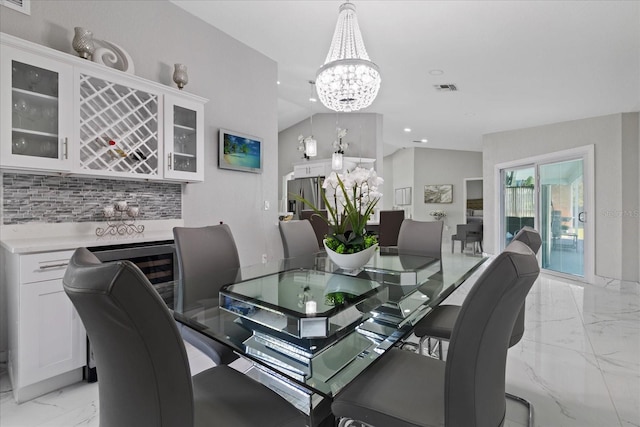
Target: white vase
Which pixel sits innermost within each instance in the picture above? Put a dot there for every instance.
(350, 261)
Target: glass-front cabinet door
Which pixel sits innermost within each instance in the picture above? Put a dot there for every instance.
(184, 139)
(36, 111)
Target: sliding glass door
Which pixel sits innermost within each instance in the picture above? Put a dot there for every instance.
(518, 201)
(549, 195)
(562, 216)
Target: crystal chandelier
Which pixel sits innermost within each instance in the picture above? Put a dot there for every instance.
(348, 80)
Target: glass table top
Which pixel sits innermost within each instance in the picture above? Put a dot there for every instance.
(261, 313)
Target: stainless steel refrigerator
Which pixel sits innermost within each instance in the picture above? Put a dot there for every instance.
(307, 188)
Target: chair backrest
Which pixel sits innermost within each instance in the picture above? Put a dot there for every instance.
(477, 355)
(320, 227)
(207, 260)
(298, 238)
(144, 371)
(420, 238)
(461, 232)
(389, 229)
(530, 237)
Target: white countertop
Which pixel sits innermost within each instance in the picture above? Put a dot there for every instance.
(42, 237)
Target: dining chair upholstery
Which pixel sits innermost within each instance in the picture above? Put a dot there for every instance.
(468, 233)
(207, 260)
(422, 238)
(145, 379)
(439, 322)
(320, 226)
(405, 389)
(389, 228)
(298, 238)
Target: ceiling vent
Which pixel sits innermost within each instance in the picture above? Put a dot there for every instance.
(450, 87)
(23, 6)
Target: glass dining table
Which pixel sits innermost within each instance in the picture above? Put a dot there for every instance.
(307, 327)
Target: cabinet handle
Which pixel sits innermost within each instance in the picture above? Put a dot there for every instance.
(44, 267)
(169, 160)
(65, 144)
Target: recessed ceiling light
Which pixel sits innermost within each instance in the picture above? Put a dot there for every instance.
(313, 99)
(407, 130)
(277, 82)
(421, 141)
(436, 72)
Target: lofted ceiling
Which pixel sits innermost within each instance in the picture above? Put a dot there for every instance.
(516, 64)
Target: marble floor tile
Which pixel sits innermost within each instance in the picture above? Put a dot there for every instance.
(72, 405)
(623, 381)
(552, 316)
(566, 387)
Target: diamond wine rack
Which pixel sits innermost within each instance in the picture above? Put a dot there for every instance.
(118, 128)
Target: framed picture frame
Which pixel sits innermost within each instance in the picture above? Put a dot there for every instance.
(438, 193)
(241, 152)
(402, 196)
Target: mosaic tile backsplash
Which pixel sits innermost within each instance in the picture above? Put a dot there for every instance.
(53, 199)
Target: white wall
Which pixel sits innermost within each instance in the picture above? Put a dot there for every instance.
(616, 142)
(239, 82)
(417, 167)
(400, 175)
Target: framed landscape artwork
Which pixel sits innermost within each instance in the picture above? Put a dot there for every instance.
(441, 193)
(240, 152)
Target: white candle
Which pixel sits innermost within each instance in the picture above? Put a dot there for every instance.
(310, 307)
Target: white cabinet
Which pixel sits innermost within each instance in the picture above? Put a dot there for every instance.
(184, 139)
(323, 167)
(35, 111)
(47, 341)
(60, 113)
(305, 170)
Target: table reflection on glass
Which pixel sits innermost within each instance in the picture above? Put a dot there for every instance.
(309, 327)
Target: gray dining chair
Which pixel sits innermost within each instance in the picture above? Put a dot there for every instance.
(298, 238)
(389, 229)
(145, 379)
(320, 226)
(403, 388)
(468, 233)
(422, 238)
(439, 323)
(207, 260)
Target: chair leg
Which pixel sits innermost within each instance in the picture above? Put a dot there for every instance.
(462, 245)
(453, 245)
(526, 403)
(421, 342)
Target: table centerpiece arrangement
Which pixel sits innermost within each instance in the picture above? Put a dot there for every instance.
(350, 199)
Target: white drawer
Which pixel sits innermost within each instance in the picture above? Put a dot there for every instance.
(43, 266)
